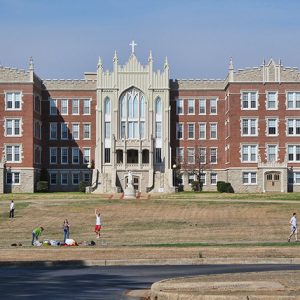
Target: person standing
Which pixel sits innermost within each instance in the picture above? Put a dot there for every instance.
(36, 233)
(98, 224)
(294, 227)
(12, 210)
(66, 227)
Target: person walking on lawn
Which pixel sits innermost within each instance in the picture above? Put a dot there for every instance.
(66, 227)
(12, 209)
(294, 227)
(35, 234)
(98, 223)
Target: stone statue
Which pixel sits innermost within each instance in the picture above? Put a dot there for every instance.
(129, 192)
(130, 181)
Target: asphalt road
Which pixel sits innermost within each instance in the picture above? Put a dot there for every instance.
(105, 283)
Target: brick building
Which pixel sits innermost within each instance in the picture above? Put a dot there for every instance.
(244, 129)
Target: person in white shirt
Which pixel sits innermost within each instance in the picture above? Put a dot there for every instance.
(294, 227)
(12, 209)
(98, 223)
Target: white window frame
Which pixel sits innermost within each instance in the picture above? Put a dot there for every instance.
(89, 131)
(13, 128)
(180, 154)
(211, 106)
(190, 155)
(268, 100)
(211, 125)
(76, 137)
(296, 178)
(61, 155)
(268, 152)
(249, 127)
(193, 131)
(249, 176)
(61, 178)
(192, 106)
(13, 93)
(268, 127)
(75, 173)
(202, 124)
(13, 178)
(296, 149)
(202, 100)
(249, 100)
(294, 100)
(177, 131)
(179, 104)
(61, 131)
(14, 153)
(210, 155)
(295, 121)
(86, 162)
(213, 182)
(249, 153)
(75, 112)
(52, 125)
(75, 149)
(50, 177)
(52, 107)
(84, 106)
(66, 107)
(54, 149)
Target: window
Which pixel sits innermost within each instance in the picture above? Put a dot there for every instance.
(203, 178)
(64, 135)
(158, 130)
(13, 101)
(158, 159)
(107, 155)
(191, 155)
(191, 178)
(249, 178)
(37, 130)
(75, 178)
(180, 154)
(86, 131)
(213, 130)
(293, 100)
(202, 155)
(213, 106)
(294, 153)
(293, 126)
(75, 155)
(64, 152)
(272, 126)
(213, 155)
(179, 107)
(249, 100)
(64, 178)
(295, 178)
(37, 154)
(86, 155)
(202, 131)
(191, 131)
(13, 178)
(53, 155)
(12, 127)
(53, 178)
(272, 100)
(179, 134)
(13, 153)
(202, 106)
(75, 131)
(75, 106)
(37, 104)
(86, 106)
(53, 107)
(191, 106)
(249, 153)
(249, 127)
(87, 177)
(53, 131)
(64, 106)
(107, 130)
(272, 152)
(213, 178)
(107, 107)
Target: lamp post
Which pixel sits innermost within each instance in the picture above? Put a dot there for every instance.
(174, 174)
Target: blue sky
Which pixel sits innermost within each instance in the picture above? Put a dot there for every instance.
(66, 37)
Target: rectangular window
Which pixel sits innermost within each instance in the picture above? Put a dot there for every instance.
(37, 130)
(191, 178)
(294, 153)
(87, 177)
(37, 104)
(272, 126)
(191, 131)
(213, 106)
(64, 104)
(64, 152)
(272, 152)
(213, 178)
(64, 134)
(213, 131)
(64, 178)
(203, 178)
(75, 106)
(213, 155)
(37, 154)
(123, 130)
(86, 106)
(202, 106)
(293, 100)
(53, 178)
(249, 100)
(107, 155)
(293, 127)
(180, 154)
(179, 107)
(249, 178)
(13, 153)
(75, 178)
(272, 100)
(107, 130)
(191, 155)
(53, 155)
(179, 130)
(53, 131)
(158, 159)
(75, 155)
(13, 178)
(158, 130)
(13, 101)
(12, 127)
(202, 131)
(53, 107)
(86, 155)
(249, 153)
(202, 155)
(86, 131)
(249, 127)
(75, 131)
(191, 106)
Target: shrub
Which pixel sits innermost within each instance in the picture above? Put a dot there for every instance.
(82, 186)
(197, 186)
(224, 187)
(42, 186)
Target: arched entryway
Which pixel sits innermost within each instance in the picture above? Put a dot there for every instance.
(273, 181)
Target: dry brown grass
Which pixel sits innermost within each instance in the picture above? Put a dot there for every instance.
(136, 223)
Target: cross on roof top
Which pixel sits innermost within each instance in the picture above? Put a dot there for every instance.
(133, 44)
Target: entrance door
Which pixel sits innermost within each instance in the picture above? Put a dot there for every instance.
(272, 182)
(135, 182)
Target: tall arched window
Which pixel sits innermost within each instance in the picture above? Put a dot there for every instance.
(132, 114)
(107, 106)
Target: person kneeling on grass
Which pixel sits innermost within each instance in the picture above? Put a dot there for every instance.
(35, 234)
